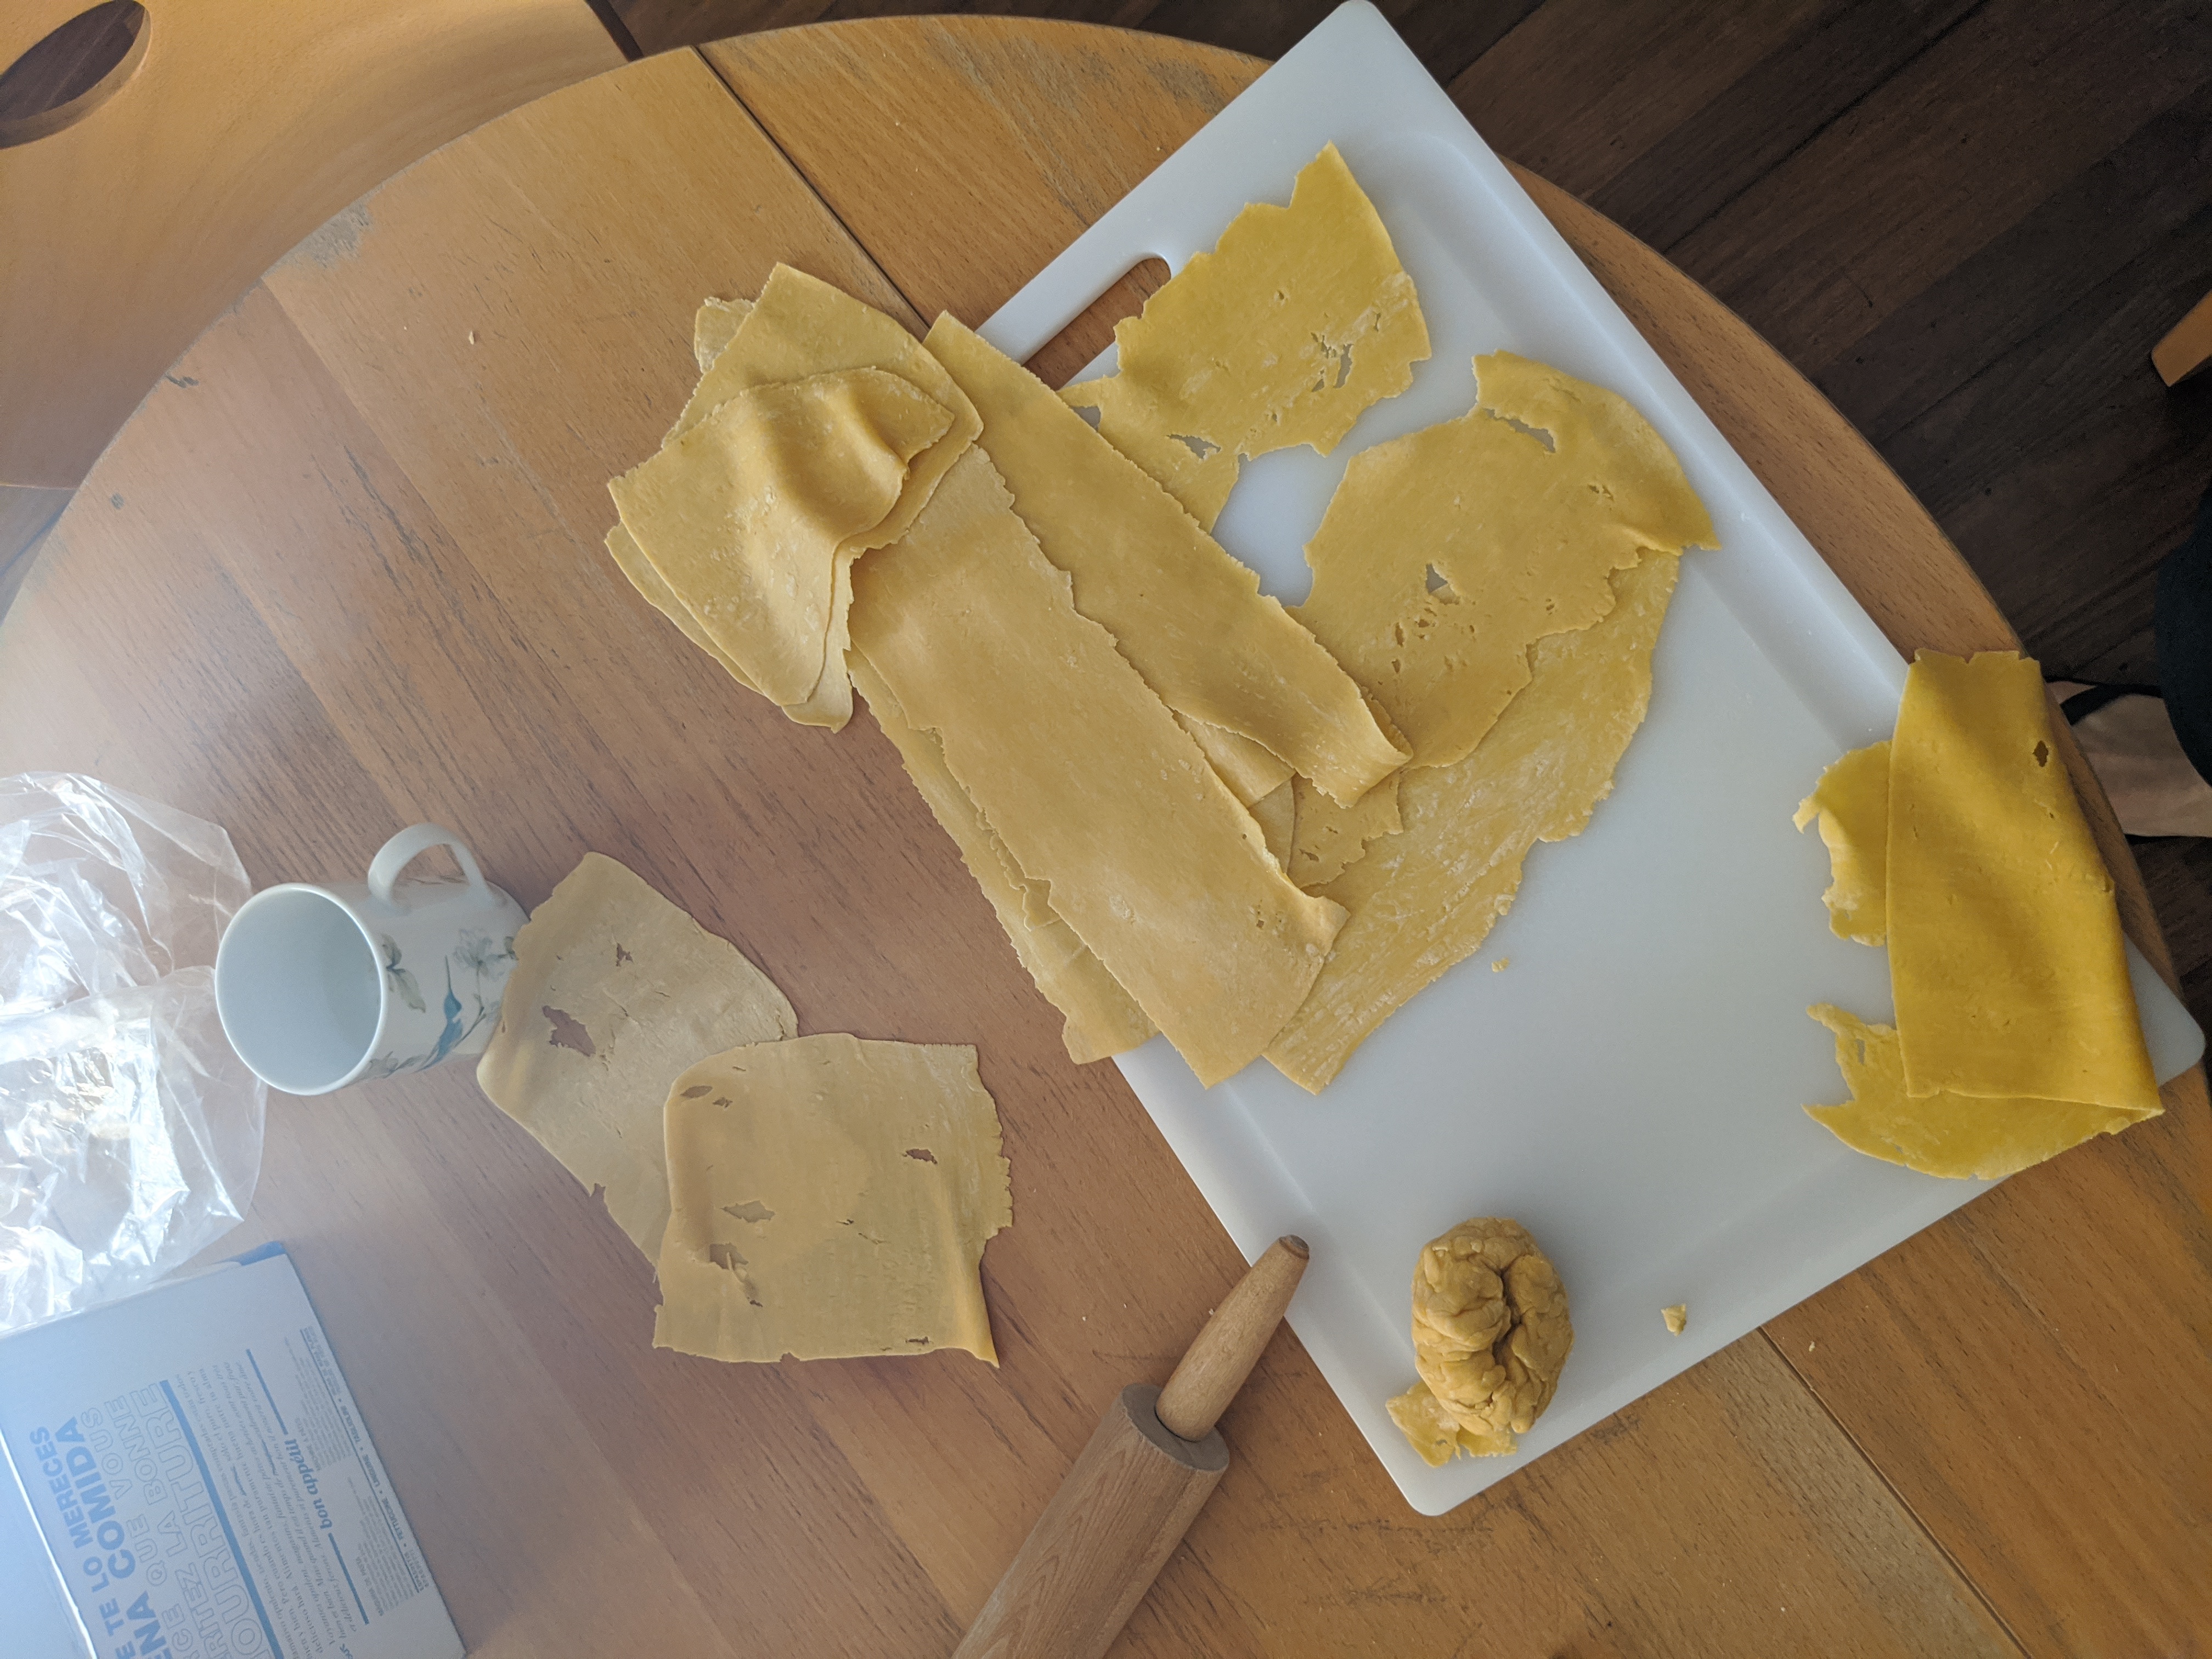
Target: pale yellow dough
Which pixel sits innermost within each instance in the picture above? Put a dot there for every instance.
(1299, 319)
(1947, 1135)
(614, 992)
(1251, 773)
(629, 558)
(1851, 802)
(750, 516)
(1101, 1020)
(1191, 618)
(1328, 839)
(715, 326)
(1086, 778)
(2005, 951)
(1436, 1434)
(1491, 1330)
(1425, 898)
(1677, 1318)
(1446, 554)
(829, 1198)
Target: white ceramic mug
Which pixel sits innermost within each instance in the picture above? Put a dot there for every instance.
(321, 986)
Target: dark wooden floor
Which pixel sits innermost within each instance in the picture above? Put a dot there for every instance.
(1967, 221)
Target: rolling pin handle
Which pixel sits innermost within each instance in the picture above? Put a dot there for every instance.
(1217, 1363)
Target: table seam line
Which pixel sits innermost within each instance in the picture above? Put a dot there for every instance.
(1912, 1515)
(813, 187)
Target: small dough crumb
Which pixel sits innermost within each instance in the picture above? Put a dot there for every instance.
(1677, 1318)
(1491, 1331)
(1501, 964)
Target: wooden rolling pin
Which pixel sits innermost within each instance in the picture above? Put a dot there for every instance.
(1134, 1491)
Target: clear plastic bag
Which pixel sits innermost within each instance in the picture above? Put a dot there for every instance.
(130, 1133)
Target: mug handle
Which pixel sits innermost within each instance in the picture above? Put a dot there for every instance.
(411, 843)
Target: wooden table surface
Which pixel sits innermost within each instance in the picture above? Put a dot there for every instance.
(341, 571)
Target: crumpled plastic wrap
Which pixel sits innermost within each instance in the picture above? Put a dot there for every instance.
(130, 1132)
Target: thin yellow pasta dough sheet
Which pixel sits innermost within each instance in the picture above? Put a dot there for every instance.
(1299, 319)
(1446, 554)
(1327, 839)
(629, 558)
(800, 325)
(1426, 897)
(614, 992)
(715, 326)
(1251, 773)
(1101, 1020)
(1277, 815)
(2005, 950)
(747, 515)
(1189, 616)
(1851, 802)
(1945, 1135)
(1085, 776)
(829, 1198)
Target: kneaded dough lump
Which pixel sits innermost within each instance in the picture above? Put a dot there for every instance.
(830, 1197)
(614, 992)
(1491, 1331)
(1445, 554)
(1299, 319)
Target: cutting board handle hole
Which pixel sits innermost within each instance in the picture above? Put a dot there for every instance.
(1065, 355)
(72, 71)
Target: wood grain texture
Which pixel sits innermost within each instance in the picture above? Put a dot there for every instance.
(1133, 1492)
(342, 572)
(245, 128)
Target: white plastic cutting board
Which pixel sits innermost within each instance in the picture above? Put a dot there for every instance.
(1628, 1087)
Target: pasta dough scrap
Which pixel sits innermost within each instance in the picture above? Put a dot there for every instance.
(1189, 617)
(1446, 554)
(829, 1198)
(1677, 1317)
(1955, 1135)
(1851, 802)
(715, 326)
(614, 992)
(1299, 319)
(2005, 951)
(1101, 1020)
(748, 517)
(629, 558)
(1436, 1434)
(1086, 778)
(1425, 898)
(1328, 839)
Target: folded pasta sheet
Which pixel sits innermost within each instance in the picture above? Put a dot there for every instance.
(751, 515)
(1085, 776)
(1943, 1133)
(829, 1198)
(1299, 319)
(614, 992)
(1190, 616)
(2005, 951)
(1425, 897)
(1446, 554)
(1101, 1018)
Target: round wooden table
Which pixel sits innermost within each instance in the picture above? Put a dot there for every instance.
(342, 571)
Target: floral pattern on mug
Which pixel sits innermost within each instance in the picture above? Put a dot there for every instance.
(484, 962)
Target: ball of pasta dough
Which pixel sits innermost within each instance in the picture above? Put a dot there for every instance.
(1490, 1327)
